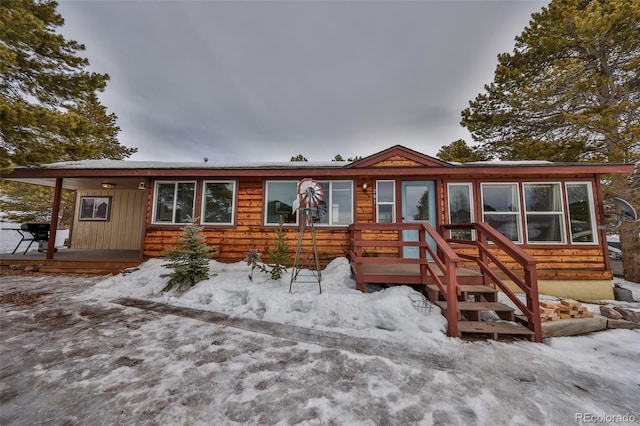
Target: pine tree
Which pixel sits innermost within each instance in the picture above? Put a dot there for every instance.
(49, 109)
(461, 152)
(280, 256)
(570, 91)
(190, 260)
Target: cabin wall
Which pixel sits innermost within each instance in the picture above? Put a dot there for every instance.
(121, 232)
(233, 241)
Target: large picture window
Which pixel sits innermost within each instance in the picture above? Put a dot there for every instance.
(173, 202)
(501, 209)
(543, 213)
(279, 201)
(218, 202)
(581, 212)
(336, 208)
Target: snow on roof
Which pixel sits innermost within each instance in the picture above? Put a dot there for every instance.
(509, 163)
(125, 164)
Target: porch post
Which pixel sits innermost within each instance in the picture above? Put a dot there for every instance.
(55, 211)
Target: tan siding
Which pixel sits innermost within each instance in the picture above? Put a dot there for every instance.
(122, 231)
(397, 161)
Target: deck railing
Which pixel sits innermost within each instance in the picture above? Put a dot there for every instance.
(484, 241)
(382, 243)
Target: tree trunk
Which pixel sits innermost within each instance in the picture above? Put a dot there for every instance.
(630, 246)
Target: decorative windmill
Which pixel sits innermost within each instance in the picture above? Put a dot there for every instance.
(309, 196)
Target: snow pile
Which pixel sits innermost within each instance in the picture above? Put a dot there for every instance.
(388, 314)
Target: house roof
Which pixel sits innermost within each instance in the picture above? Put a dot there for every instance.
(394, 161)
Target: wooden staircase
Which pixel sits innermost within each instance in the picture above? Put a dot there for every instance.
(474, 300)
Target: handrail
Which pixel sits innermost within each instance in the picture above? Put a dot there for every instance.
(442, 256)
(528, 284)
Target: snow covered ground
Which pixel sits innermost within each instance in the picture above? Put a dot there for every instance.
(76, 357)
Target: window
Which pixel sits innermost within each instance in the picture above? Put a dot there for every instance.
(218, 202)
(280, 196)
(460, 211)
(95, 208)
(337, 205)
(385, 201)
(581, 214)
(543, 212)
(501, 209)
(335, 209)
(173, 202)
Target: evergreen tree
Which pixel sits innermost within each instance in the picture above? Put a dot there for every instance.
(190, 260)
(298, 157)
(459, 151)
(570, 91)
(49, 110)
(280, 256)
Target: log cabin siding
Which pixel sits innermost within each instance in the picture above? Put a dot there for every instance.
(249, 231)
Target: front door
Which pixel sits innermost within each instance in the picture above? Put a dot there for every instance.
(418, 205)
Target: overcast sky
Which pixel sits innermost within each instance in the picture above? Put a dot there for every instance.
(264, 80)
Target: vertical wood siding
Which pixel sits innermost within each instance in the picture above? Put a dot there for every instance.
(122, 231)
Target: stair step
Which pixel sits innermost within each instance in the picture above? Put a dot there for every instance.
(472, 310)
(479, 292)
(494, 328)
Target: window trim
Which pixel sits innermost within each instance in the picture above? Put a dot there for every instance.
(93, 217)
(392, 203)
(592, 213)
(560, 213)
(318, 224)
(234, 197)
(517, 213)
(330, 199)
(175, 189)
(469, 185)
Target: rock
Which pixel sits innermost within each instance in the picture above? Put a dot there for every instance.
(609, 312)
(628, 314)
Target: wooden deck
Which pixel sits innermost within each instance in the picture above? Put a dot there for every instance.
(74, 260)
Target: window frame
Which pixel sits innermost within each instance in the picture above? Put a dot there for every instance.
(391, 203)
(329, 203)
(93, 217)
(329, 196)
(234, 197)
(175, 189)
(469, 186)
(517, 214)
(592, 213)
(560, 213)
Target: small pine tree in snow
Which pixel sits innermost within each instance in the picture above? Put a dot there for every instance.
(190, 260)
(279, 256)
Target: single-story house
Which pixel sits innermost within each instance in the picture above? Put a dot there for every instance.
(508, 215)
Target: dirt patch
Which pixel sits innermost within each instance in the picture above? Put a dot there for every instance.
(23, 298)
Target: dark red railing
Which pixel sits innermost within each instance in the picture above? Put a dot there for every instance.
(485, 240)
(436, 265)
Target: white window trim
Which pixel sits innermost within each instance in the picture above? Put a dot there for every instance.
(175, 193)
(386, 203)
(233, 202)
(560, 213)
(329, 201)
(471, 205)
(266, 203)
(518, 213)
(592, 212)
